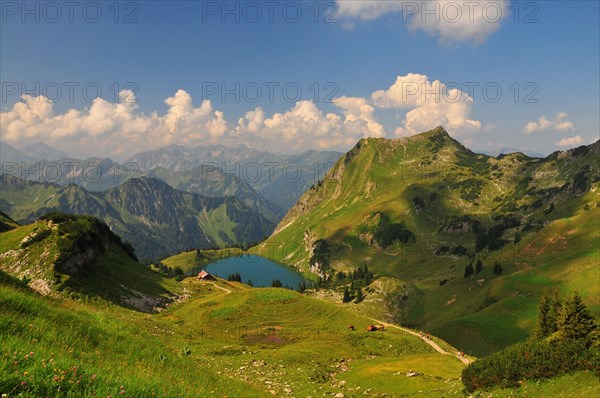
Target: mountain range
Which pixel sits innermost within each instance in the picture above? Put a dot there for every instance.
(281, 179)
(155, 218)
(278, 179)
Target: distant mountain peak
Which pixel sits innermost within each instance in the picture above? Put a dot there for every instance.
(439, 130)
(43, 151)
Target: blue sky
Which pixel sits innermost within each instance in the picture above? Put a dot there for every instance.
(175, 46)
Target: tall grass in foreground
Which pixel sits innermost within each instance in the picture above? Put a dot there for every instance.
(64, 349)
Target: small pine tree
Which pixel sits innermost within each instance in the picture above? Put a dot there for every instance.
(276, 283)
(346, 298)
(575, 321)
(544, 326)
(555, 307)
(302, 287)
(359, 273)
(478, 266)
(249, 283)
(497, 268)
(468, 270)
(359, 296)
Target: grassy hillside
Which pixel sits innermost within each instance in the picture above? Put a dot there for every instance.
(60, 348)
(288, 344)
(62, 335)
(6, 223)
(419, 209)
(225, 339)
(72, 329)
(576, 385)
(79, 256)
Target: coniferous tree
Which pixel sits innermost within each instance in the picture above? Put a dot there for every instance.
(302, 287)
(468, 270)
(544, 326)
(249, 283)
(346, 298)
(276, 283)
(359, 273)
(478, 266)
(575, 321)
(497, 268)
(359, 296)
(555, 307)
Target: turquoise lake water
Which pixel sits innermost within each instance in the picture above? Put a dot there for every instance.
(260, 270)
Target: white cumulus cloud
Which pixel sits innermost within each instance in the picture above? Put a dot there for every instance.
(116, 128)
(121, 129)
(559, 123)
(570, 141)
(305, 126)
(359, 117)
(430, 104)
(450, 21)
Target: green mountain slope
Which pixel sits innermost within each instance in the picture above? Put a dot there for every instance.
(6, 223)
(157, 219)
(80, 256)
(224, 340)
(419, 209)
(56, 347)
(61, 335)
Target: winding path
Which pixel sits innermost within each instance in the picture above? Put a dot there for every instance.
(432, 343)
(220, 287)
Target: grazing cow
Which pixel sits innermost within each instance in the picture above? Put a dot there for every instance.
(374, 328)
